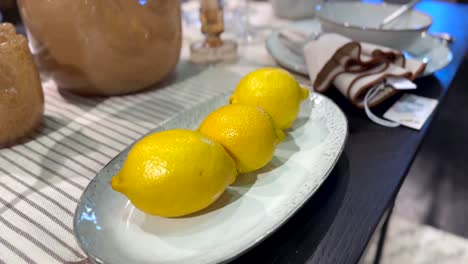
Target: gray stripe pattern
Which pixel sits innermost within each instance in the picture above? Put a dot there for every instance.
(18, 252)
(42, 179)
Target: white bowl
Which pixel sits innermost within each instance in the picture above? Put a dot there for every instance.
(360, 21)
(294, 9)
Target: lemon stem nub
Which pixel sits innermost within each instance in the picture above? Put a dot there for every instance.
(115, 183)
(304, 92)
(280, 134)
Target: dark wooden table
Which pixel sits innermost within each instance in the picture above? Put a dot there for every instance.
(337, 223)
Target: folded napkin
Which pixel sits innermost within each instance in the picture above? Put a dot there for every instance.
(355, 67)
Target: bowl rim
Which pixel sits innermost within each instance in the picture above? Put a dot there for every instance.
(422, 28)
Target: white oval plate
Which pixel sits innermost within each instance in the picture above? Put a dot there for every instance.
(427, 48)
(111, 230)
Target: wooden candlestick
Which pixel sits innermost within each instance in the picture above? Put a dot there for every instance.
(212, 48)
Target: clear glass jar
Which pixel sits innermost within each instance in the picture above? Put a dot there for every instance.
(105, 47)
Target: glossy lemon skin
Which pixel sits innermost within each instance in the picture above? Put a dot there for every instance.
(247, 132)
(175, 173)
(275, 90)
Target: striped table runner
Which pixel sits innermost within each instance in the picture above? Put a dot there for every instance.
(42, 180)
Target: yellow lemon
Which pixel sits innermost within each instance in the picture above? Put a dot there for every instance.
(174, 173)
(247, 132)
(274, 90)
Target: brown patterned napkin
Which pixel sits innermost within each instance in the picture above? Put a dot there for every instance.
(355, 67)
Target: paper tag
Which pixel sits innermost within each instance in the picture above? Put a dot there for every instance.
(400, 83)
(411, 110)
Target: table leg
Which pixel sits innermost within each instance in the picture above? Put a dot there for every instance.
(382, 235)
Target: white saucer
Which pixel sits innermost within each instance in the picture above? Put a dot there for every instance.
(426, 48)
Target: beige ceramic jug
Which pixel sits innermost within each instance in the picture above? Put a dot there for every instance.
(105, 47)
